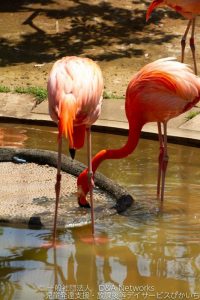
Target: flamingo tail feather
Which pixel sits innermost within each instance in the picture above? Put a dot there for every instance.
(66, 117)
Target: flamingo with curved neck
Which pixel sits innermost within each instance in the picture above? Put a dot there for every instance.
(160, 91)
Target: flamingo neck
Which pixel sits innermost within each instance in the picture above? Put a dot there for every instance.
(128, 148)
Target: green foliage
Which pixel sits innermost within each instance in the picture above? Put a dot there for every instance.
(110, 95)
(39, 92)
(4, 89)
(192, 114)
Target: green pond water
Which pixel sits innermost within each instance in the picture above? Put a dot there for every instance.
(149, 254)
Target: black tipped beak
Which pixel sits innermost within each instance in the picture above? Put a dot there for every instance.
(72, 152)
(85, 205)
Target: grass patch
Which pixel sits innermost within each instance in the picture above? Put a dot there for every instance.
(191, 115)
(39, 93)
(4, 89)
(110, 95)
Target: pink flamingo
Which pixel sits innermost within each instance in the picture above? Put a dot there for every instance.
(188, 9)
(75, 88)
(160, 91)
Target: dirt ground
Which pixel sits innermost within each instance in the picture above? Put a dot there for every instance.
(34, 34)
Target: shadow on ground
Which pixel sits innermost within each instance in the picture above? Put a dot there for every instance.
(50, 29)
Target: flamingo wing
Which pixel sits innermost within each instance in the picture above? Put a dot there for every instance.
(188, 8)
(75, 90)
(162, 90)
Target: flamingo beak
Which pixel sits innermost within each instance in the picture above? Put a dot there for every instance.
(72, 152)
(153, 5)
(82, 198)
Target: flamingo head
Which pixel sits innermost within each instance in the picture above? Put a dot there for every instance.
(83, 189)
(152, 6)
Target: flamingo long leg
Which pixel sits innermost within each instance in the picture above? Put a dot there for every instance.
(57, 188)
(162, 160)
(90, 175)
(183, 40)
(192, 46)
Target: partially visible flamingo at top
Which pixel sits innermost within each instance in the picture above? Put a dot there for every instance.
(75, 88)
(160, 91)
(188, 9)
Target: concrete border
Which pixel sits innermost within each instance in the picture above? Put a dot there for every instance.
(22, 109)
(175, 135)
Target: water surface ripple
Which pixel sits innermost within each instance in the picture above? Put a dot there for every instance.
(150, 245)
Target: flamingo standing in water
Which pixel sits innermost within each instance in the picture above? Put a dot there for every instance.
(75, 88)
(188, 9)
(160, 91)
